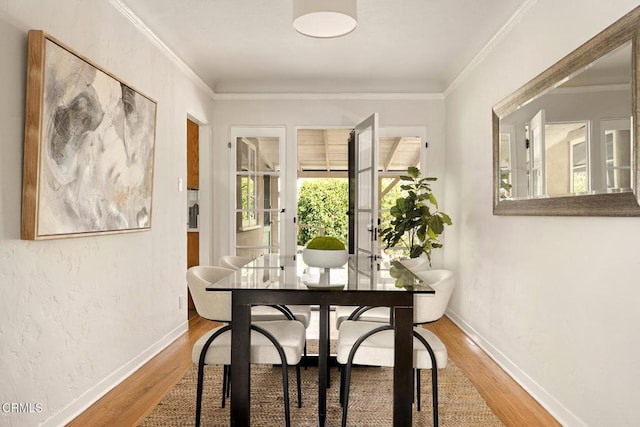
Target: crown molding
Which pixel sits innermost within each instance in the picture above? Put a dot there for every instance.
(146, 31)
(491, 44)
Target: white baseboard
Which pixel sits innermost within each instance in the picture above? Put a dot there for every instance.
(555, 408)
(92, 395)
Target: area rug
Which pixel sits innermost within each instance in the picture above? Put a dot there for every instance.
(370, 400)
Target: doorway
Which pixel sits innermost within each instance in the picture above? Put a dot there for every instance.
(271, 210)
(322, 184)
(322, 178)
(193, 208)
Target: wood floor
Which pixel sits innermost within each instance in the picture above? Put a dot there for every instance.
(510, 402)
(134, 398)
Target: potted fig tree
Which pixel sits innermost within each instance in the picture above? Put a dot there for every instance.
(416, 221)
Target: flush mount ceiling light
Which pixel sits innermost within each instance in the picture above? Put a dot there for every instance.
(324, 18)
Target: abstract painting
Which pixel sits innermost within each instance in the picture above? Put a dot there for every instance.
(89, 147)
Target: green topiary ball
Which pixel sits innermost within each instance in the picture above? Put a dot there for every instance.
(327, 243)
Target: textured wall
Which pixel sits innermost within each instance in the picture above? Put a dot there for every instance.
(76, 315)
(553, 299)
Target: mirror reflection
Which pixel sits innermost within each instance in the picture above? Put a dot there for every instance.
(573, 139)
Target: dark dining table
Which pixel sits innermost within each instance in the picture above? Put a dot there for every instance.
(274, 280)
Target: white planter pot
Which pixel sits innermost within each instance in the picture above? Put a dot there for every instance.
(325, 258)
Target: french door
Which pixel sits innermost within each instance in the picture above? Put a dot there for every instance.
(263, 194)
(536, 155)
(257, 198)
(363, 194)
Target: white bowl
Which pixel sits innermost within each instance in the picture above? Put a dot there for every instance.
(325, 258)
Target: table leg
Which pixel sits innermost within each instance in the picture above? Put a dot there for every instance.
(240, 365)
(403, 367)
(323, 357)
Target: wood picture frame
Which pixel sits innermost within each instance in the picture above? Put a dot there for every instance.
(89, 147)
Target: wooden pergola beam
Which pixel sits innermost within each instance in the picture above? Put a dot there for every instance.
(392, 153)
(326, 149)
(322, 174)
(388, 188)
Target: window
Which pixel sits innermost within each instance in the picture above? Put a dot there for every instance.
(505, 166)
(247, 180)
(256, 200)
(579, 178)
(568, 167)
(617, 146)
(396, 154)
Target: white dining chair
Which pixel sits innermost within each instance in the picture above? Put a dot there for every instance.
(279, 342)
(372, 344)
(378, 314)
(233, 262)
(301, 313)
(362, 313)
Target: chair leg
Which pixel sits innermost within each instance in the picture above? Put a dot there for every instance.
(306, 360)
(199, 394)
(347, 374)
(328, 359)
(434, 386)
(419, 398)
(434, 375)
(341, 368)
(201, 359)
(285, 388)
(285, 373)
(345, 393)
(299, 386)
(225, 378)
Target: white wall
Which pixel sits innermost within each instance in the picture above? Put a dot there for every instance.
(554, 299)
(307, 111)
(77, 315)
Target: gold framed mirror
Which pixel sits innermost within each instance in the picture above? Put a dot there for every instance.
(566, 142)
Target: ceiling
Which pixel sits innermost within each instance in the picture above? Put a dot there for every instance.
(250, 46)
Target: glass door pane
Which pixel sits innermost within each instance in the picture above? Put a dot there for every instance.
(258, 203)
(537, 177)
(399, 149)
(366, 193)
(616, 135)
